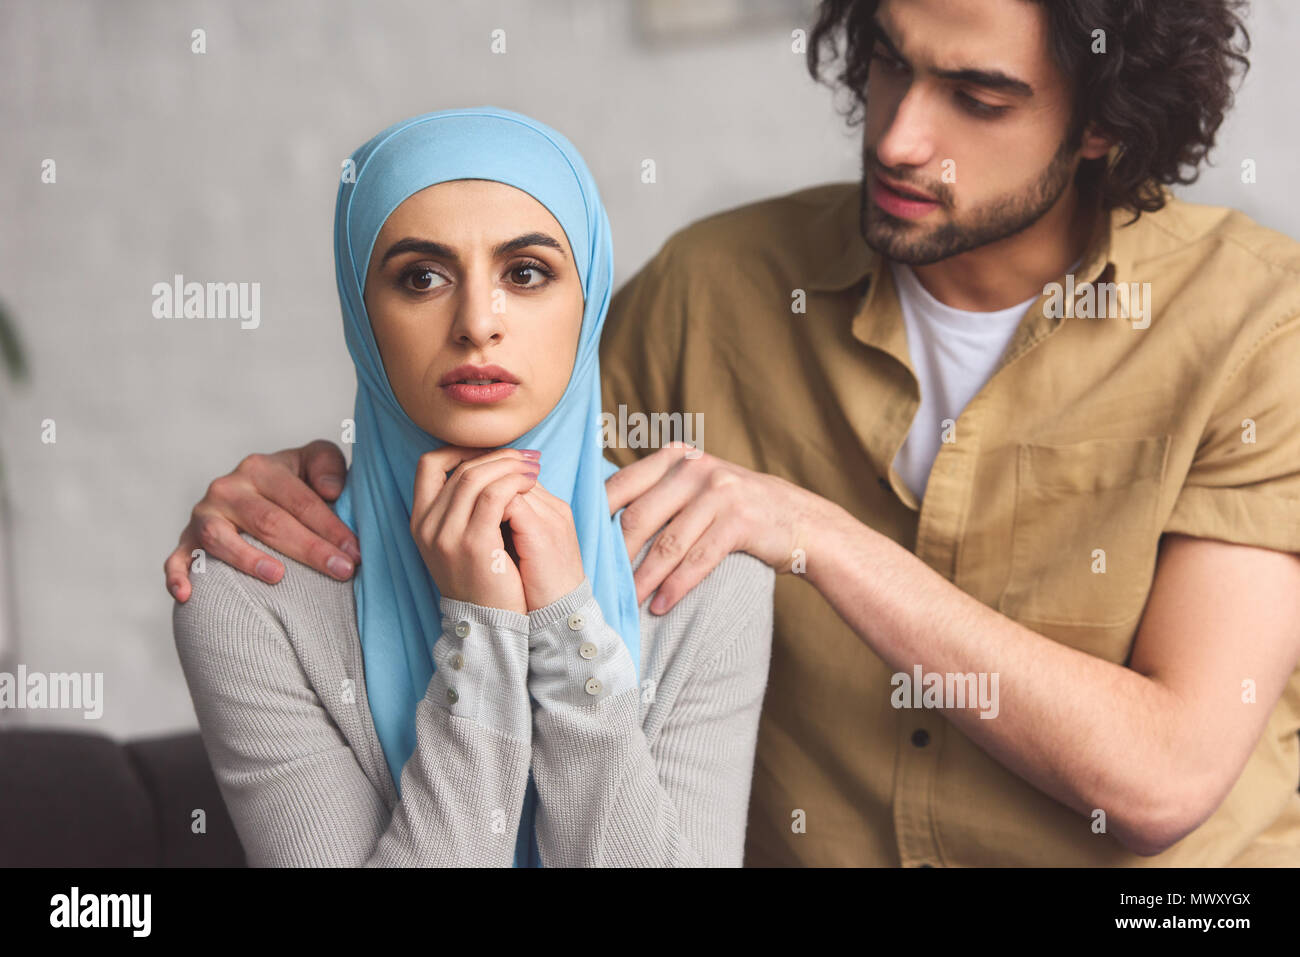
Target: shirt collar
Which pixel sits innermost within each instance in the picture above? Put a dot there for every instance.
(845, 258)
(1108, 256)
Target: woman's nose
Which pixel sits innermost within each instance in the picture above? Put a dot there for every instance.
(480, 315)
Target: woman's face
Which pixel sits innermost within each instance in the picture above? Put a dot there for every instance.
(478, 273)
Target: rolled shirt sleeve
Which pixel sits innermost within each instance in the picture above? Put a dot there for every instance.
(1244, 483)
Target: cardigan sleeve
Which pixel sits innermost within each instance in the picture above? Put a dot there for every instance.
(607, 795)
(293, 785)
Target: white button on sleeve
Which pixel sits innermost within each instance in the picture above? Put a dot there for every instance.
(575, 659)
(480, 667)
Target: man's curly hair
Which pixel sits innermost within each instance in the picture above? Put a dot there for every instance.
(1161, 89)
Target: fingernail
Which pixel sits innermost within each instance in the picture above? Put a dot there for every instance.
(531, 453)
(354, 553)
(265, 570)
(339, 567)
(657, 606)
(175, 589)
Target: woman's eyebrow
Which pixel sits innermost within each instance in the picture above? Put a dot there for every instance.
(528, 239)
(426, 246)
(429, 248)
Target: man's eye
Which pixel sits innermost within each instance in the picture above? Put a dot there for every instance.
(888, 62)
(979, 107)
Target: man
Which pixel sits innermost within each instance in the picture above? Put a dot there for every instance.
(1023, 429)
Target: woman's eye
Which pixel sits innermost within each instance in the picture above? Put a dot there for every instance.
(530, 275)
(422, 279)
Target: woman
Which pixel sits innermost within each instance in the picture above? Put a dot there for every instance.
(486, 690)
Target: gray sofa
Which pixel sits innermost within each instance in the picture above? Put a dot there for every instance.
(71, 799)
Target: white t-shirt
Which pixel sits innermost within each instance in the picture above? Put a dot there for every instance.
(953, 352)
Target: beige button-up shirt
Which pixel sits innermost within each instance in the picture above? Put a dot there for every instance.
(1167, 401)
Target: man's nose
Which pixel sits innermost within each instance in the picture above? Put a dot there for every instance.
(909, 139)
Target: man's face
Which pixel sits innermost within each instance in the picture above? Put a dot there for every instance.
(966, 119)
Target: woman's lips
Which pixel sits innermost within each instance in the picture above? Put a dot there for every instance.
(479, 394)
(896, 204)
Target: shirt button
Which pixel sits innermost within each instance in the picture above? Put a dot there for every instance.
(462, 629)
(920, 737)
(576, 622)
(588, 650)
(593, 686)
(458, 661)
(452, 696)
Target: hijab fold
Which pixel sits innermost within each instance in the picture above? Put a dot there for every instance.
(398, 618)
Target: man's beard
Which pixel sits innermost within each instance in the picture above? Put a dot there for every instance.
(892, 237)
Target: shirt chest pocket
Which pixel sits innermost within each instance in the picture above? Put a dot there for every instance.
(1085, 534)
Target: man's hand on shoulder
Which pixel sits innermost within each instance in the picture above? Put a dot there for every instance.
(708, 508)
(279, 499)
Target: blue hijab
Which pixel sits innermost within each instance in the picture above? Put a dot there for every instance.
(397, 601)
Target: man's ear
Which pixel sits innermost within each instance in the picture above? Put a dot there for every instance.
(1095, 145)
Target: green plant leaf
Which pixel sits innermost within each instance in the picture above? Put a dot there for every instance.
(11, 350)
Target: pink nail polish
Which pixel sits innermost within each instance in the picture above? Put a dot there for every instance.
(531, 453)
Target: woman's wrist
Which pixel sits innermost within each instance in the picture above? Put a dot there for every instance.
(487, 616)
(575, 659)
(563, 606)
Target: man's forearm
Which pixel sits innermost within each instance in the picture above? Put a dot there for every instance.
(1089, 733)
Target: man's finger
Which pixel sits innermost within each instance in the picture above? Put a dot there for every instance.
(286, 490)
(324, 468)
(632, 480)
(220, 539)
(176, 571)
(706, 554)
(672, 545)
(659, 503)
(262, 517)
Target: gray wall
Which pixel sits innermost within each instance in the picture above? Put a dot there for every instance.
(224, 166)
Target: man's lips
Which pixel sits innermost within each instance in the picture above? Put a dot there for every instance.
(898, 200)
(905, 191)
